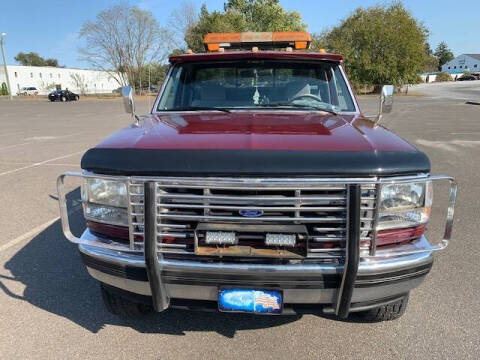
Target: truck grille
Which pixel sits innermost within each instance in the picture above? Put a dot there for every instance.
(319, 207)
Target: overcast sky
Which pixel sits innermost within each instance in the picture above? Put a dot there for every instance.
(51, 27)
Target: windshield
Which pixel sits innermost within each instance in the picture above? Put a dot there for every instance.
(257, 84)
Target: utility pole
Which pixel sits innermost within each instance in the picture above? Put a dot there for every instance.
(9, 88)
(149, 86)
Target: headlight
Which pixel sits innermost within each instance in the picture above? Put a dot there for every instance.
(404, 205)
(105, 192)
(105, 201)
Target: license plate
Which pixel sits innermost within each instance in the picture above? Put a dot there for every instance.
(250, 300)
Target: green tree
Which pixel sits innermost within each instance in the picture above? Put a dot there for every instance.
(443, 77)
(381, 45)
(443, 54)
(243, 15)
(431, 62)
(319, 41)
(33, 59)
(266, 15)
(4, 89)
(157, 73)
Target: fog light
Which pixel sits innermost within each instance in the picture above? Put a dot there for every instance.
(280, 240)
(220, 238)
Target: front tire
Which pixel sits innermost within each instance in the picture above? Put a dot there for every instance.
(387, 312)
(63, 98)
(122, 307)
(77, 98)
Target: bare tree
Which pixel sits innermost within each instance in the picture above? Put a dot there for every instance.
(183, 18)
(122, 39)
(80, 82)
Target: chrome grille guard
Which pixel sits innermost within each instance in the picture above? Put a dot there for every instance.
(135, 186)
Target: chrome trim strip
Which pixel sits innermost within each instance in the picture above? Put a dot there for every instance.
(131, 235)
(117, 257)
(373, 240)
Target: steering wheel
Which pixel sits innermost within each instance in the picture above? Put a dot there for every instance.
(310, 96)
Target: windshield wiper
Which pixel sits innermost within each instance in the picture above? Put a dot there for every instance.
(302, 106)
(199, 108)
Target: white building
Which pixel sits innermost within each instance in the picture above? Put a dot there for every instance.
(463, 63)
(47, 78)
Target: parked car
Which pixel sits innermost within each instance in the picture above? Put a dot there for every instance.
(151, 89)
(467, 78)
(30, 90)
(63, 95)
(257, 185)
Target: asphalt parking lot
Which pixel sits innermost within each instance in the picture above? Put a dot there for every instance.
(51, 308)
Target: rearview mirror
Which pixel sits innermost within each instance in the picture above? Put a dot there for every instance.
(128, 103)
(386, 99)
(386, 102)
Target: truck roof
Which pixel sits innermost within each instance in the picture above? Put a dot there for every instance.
(267, 55)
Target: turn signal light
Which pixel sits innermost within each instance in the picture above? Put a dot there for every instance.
(114, 232)
(398, 236)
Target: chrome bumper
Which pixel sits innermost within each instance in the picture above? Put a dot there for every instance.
(377, 275)
(378, 279)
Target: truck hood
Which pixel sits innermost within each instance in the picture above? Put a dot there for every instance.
(316, 131)
(197, 140)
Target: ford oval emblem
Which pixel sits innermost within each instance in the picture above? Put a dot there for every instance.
(251, 213)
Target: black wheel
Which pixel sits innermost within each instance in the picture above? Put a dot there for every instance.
(387, 312)
(122, 307)
(77, 98)
(63, 98)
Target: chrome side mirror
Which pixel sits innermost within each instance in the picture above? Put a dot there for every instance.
(386, 99)
(129, 103)
(385, 103)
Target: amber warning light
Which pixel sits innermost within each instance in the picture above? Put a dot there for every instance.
(294, 39)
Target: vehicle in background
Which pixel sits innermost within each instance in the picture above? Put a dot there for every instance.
(468, 77)
(63, 95)
(30, 90)
(152, 89)
(256, 184)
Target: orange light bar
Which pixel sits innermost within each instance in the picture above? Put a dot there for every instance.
(296, 39)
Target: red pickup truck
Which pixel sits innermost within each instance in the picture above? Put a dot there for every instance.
(256, 185)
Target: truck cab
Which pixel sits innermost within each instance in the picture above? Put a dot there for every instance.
(257, 185)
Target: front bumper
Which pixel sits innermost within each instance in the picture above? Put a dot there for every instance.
(378, 281)
(360, 282)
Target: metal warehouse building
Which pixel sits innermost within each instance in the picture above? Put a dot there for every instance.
(46, 79)
(463, 63)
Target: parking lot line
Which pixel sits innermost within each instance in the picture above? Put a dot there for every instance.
(40, 163)
(28, 234)
(11, 146)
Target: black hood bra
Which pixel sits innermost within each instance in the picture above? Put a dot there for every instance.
(265, 163)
